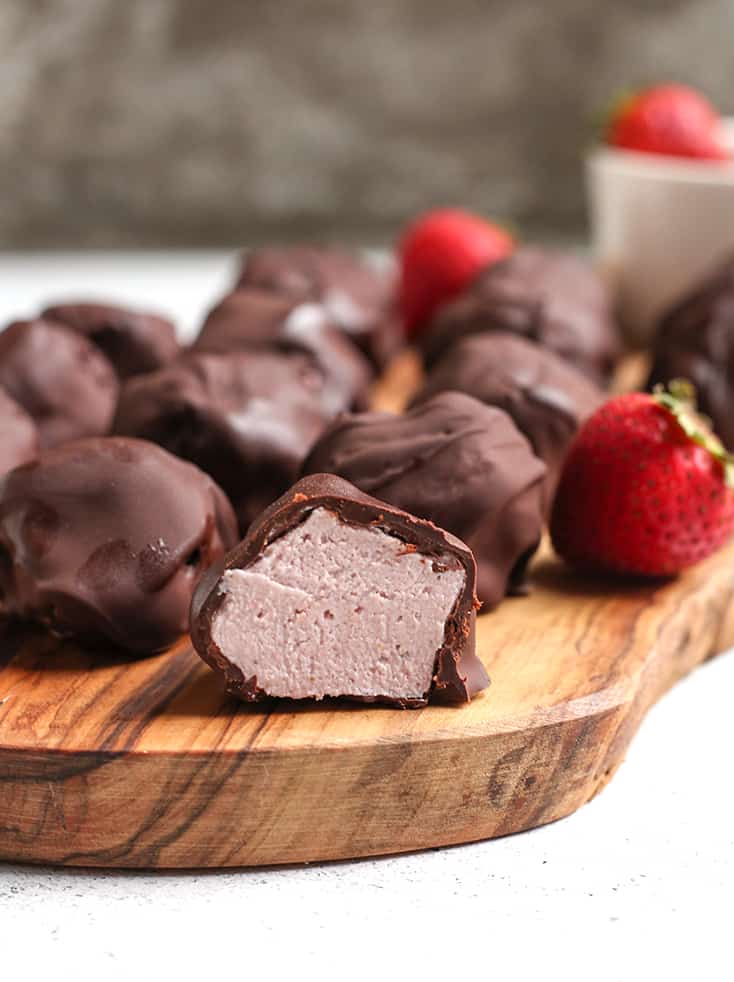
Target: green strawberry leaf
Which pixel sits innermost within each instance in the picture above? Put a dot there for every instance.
(680, 400)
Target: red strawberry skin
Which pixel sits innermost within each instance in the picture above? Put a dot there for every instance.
(668, 119)
(440, 253)
(638, 495)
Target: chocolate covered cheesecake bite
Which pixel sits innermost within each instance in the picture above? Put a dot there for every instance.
(247, 418)
(695, 341)
(456, 462)
(135, 341)
(18, 435)
(546, 397)
(254, 319)
(552, 298)
(334, 593)
(357, 294)
(60, 378)
(103, 540)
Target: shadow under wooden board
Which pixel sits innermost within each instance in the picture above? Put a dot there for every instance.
(110, 762)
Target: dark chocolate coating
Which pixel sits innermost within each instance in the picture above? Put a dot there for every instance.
(357, 295)
(695, 341)
(133, 340)
(458, 674)
(104, 539)
(247, 418)
(59, 378)
(18, 435)
(456, 462)
(552, 298)
(252, 319)
(547, 398)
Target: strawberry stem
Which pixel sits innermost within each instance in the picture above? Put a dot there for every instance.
(680, 401)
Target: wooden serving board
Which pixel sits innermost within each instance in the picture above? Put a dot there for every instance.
(109, 762)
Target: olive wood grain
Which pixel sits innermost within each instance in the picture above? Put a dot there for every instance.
(111, 762)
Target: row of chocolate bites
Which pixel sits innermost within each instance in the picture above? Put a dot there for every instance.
(105, 537)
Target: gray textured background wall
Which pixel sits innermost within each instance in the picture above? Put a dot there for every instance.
(191, 122)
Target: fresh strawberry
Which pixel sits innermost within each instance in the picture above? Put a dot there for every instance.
(646, 487)
(440, 253)
(669, 119)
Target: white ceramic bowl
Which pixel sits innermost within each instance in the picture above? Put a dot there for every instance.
(658, 225)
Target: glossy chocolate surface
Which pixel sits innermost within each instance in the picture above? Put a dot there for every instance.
(252, 319)
(60, 378)
(695, 341)
(134, 341)
(357, 294)
(247, 418)
(552, 298)
(18, 435)
(456, 462)
(103, 540)
(547, 398)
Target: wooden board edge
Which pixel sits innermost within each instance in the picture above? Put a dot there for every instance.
(214, 812)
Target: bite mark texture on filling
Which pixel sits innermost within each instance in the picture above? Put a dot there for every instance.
(334, 609)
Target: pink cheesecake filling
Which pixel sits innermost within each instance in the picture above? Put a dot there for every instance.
(333, 609)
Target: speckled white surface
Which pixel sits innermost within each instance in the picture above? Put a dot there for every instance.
(183, 285)
(638, 884)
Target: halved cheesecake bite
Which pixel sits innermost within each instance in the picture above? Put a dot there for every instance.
(333, 593)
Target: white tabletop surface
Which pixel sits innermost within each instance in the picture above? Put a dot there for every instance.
(638, 884)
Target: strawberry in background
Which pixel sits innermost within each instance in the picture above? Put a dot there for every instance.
(668, 119)
(440, 253)
(646, 488)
